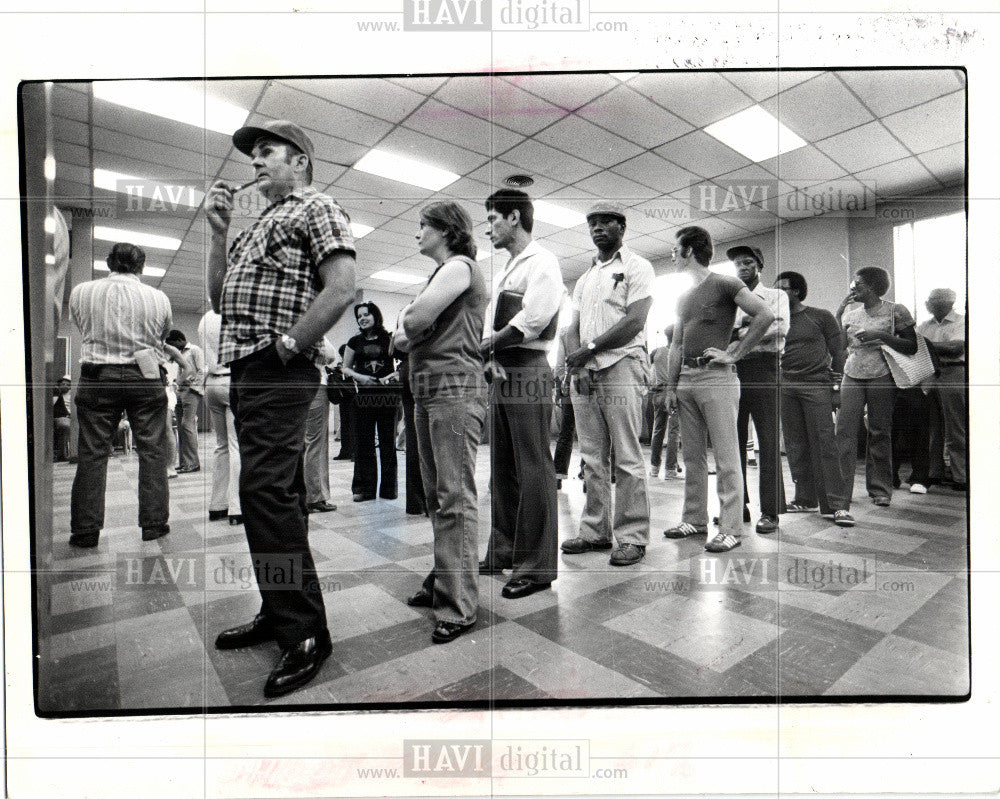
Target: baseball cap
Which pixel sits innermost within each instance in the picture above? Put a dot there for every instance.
(606, 208)
(245, 138)
(735, 252)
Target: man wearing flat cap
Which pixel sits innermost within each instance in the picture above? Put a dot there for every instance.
(280, 286)
(759, 371)
(606, 352)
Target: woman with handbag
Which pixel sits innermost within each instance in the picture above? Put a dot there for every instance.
(368, 362)
(868, 382)
(442, 329)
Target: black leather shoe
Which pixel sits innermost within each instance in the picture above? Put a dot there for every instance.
(389, 495)
(84, 540)
(363, 497)
(448, 631)
(216, 515)
(522, 586)
(767, 524)
(577, 546)
(322, 506)
(154, 532)
(422, 599)
(255, 632)
(487, 568)
(188, 469)
(298, 665)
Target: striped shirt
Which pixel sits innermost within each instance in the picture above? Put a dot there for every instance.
(118, 316)
(273, 277)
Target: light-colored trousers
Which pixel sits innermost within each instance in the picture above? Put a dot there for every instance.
(226, 465)
(607, 404)
(317, 456)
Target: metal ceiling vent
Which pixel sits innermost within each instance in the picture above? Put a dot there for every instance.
(519, 181)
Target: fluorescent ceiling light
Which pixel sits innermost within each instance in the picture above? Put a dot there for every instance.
(50, 259)
(405, 170)
(147, 271)
(50, 168)
(181, 102)
(134, 237)
(557, 215)
(756, 134)
(398, 277)
(359, 231)
(152, 189)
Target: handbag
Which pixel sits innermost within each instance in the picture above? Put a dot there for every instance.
(908, 370)
(339, 388)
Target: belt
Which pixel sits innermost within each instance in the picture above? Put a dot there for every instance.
(695, 363)
(952, 365)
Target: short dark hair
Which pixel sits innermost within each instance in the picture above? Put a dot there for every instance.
(700, 242)
(126, 258)
(876, 278)
(798, 283)
(504, 201)
(454, 223)
(374, 310)
(175, 337)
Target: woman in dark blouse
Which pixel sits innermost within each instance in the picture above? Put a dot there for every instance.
(368, 362)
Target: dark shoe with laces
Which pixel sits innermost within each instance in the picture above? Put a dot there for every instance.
(522, 586)
(321, 506)
(627, 554)
(577, 546)
(767, 524)
(217, 515)
(84, 540)
(298, 665)
(255, 632)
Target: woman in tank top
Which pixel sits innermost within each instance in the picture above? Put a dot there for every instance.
(442, 329)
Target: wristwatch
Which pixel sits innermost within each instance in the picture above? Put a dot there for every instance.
(289, 344)
(591, 346)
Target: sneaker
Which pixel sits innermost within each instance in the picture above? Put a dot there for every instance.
(673, 474)
(918, 488)
(795, 507)
(683, 530)
(722, 543)
(654, 471)
(842, 518)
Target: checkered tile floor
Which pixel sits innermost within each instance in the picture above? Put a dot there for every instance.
(815, 610)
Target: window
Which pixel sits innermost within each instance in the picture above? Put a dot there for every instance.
(929, 254)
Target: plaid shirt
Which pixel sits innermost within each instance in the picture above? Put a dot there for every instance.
(272, 277)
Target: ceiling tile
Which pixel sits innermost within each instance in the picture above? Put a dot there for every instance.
(71, 100)
(726, 233)
(566, 91)
(841, 197)
(283, 102)
(334, 149)
(474, 133)
(500, 102)
(561, 250)
(702, 154)
(576, 237)
(419, 85)
(696, 97)
(588, 141)
(573, 197)
(66, 153)
(764, 84)
(188, 137)
(536, 158)
(888, 91)
(906, 176)
(932, 125)
(373, 186)
(375, 96)
(863, 147)
(411, 144)
(634, 117)
(804, 165)
(71, 130)
(609, 186)
(947, 163)
(656, 172)
(818, 108)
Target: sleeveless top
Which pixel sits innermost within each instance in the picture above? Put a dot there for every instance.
(448, 358)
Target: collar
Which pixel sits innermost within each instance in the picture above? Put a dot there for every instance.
(532, 249)
(951, 317)
(123, 276)
(621, 254)
(300, 194)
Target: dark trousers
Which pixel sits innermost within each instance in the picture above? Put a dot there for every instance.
(564, 444)
(811, 445)
(270, 402)
(348, 415)
(664, 425)
(104, 392)
(759, 399)
(525, 532)
(375, 412)
(415, 501)
(187, 427)
(911, 434)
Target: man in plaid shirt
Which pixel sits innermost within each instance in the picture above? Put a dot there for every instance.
(282, 284)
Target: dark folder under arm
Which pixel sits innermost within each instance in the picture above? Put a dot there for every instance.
(509, 304)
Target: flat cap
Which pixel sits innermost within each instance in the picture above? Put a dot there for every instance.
(245, 138)
(606, 208)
